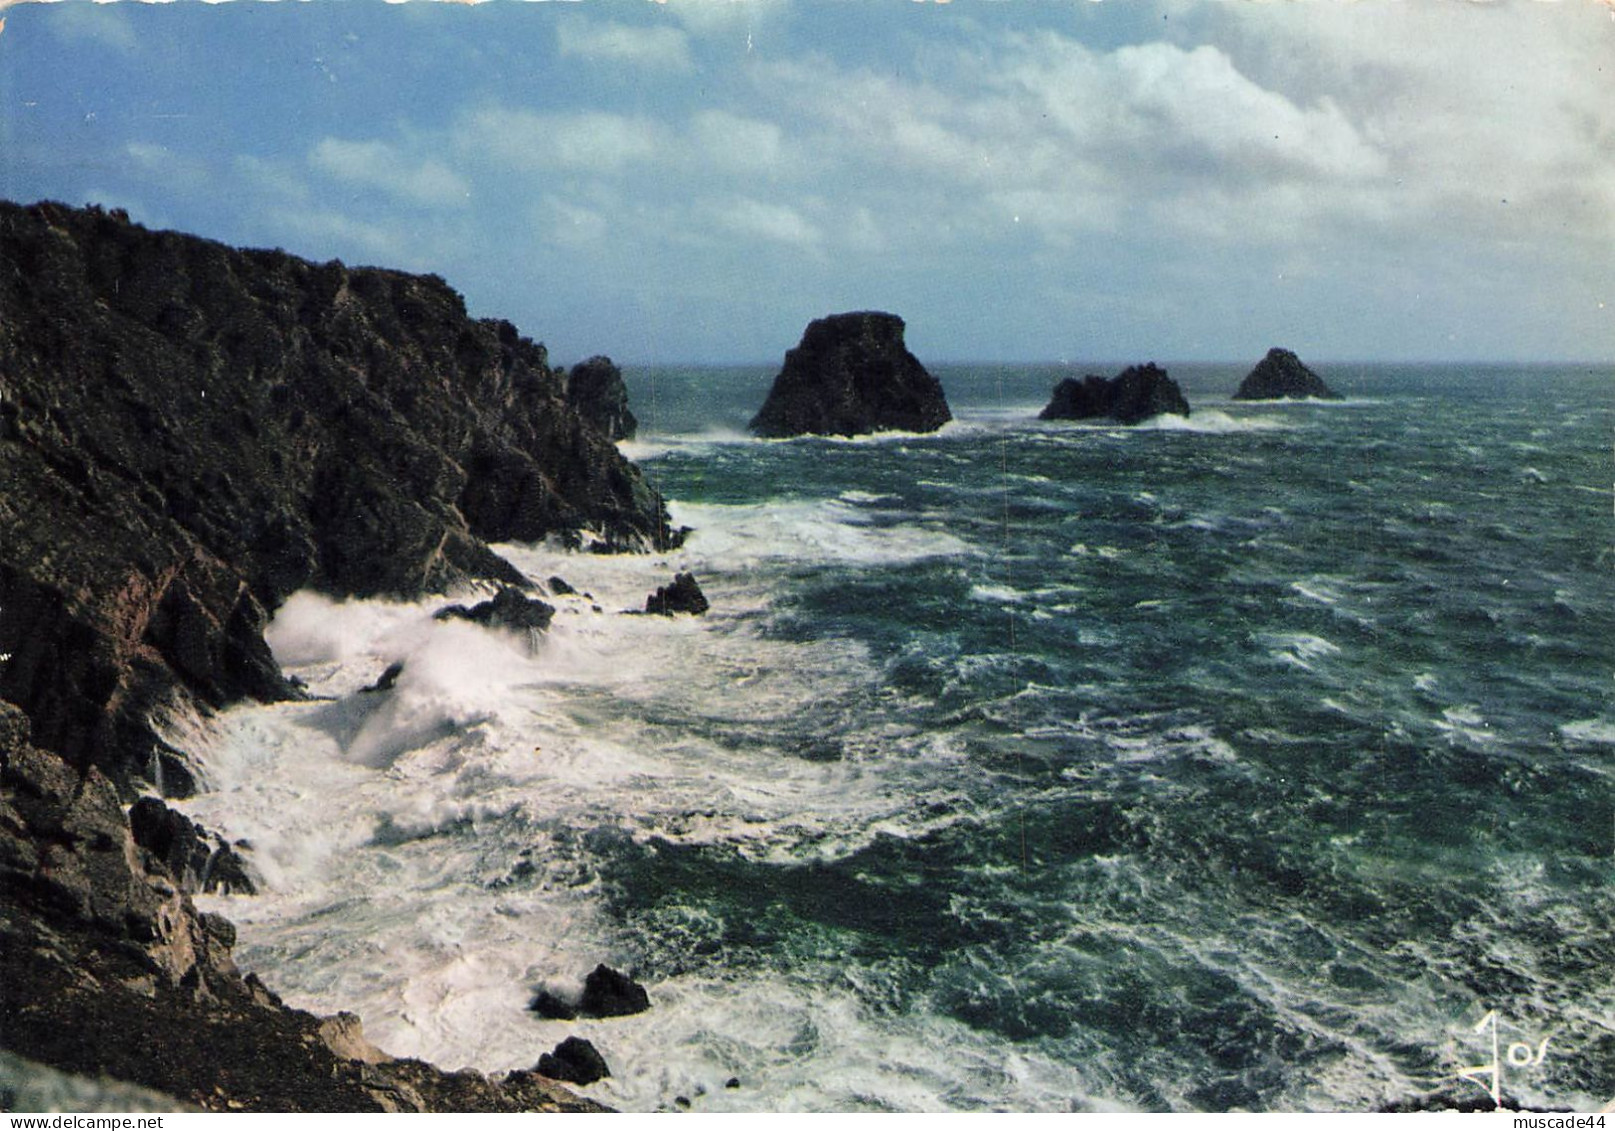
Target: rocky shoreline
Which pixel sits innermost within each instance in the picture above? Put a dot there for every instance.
(189, 433)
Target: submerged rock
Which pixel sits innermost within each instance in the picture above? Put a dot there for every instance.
(1280, 376)
(595, 388)
(574, 1061)
(1136, 394)
(850, 375)
(683, 596)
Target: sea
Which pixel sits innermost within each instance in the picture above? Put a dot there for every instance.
(1262, 759)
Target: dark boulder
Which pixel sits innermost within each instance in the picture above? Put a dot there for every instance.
(1280, 376)
(196, 860)
(595, 388)
(851, 375)
(574, 1061)
(552, 1006)
(683, 596)
(176, 843)
(559, 587)
(1136, 394)
(608, 993)
(507, 609)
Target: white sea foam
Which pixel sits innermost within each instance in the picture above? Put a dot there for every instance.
(1592, 732)
(810, 531)
(1466, 723)
(1215, 423)
(387, 825)
(1300, 649)
(649, 446)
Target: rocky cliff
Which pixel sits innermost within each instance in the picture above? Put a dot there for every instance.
(851, 374)
(1136, 394)
(188, 434)
(1281, 376)
(595, 387)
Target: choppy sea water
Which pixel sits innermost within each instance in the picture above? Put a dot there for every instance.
(1245, 761)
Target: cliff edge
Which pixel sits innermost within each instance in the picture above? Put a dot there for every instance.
(188, 434)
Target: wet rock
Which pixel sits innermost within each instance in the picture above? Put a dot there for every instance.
(388, 679)
(508, 609)
(1136, 394)
(608, 993)
(683, 596)
(595, 388)
(552, 1006)
(574, 1061)
(1281, 375)
(850, 375)
(185, 851)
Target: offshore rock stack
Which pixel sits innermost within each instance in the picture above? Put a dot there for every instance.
(1134, 395)
(1281, 376)
(849, 376)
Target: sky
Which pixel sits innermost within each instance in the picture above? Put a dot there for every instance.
(1021, 180)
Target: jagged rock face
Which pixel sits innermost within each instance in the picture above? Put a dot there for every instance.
(189, 433)
(683, 596)
(851, 375)
(574, 1061)
(595, 387)
(1137, 393)
(1281, 375)
(508, 609)
(610, 993)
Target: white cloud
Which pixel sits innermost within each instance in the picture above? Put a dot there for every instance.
(277, 180)
(377, 164)
(589, 141)
(665, 48)
(737, 142)
(325, 229)
(776, 223)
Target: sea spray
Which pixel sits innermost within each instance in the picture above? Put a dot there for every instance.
(1014, 767)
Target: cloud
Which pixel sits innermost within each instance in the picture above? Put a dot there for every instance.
(591, 140)
(736, 142)
(377, 164)
(776, 223)
(352, 239)
(663, 48)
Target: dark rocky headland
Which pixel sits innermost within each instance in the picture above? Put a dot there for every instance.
(1134, 395)
(188, 434)
(595, 386)
(1281, 376)
(852, 375)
